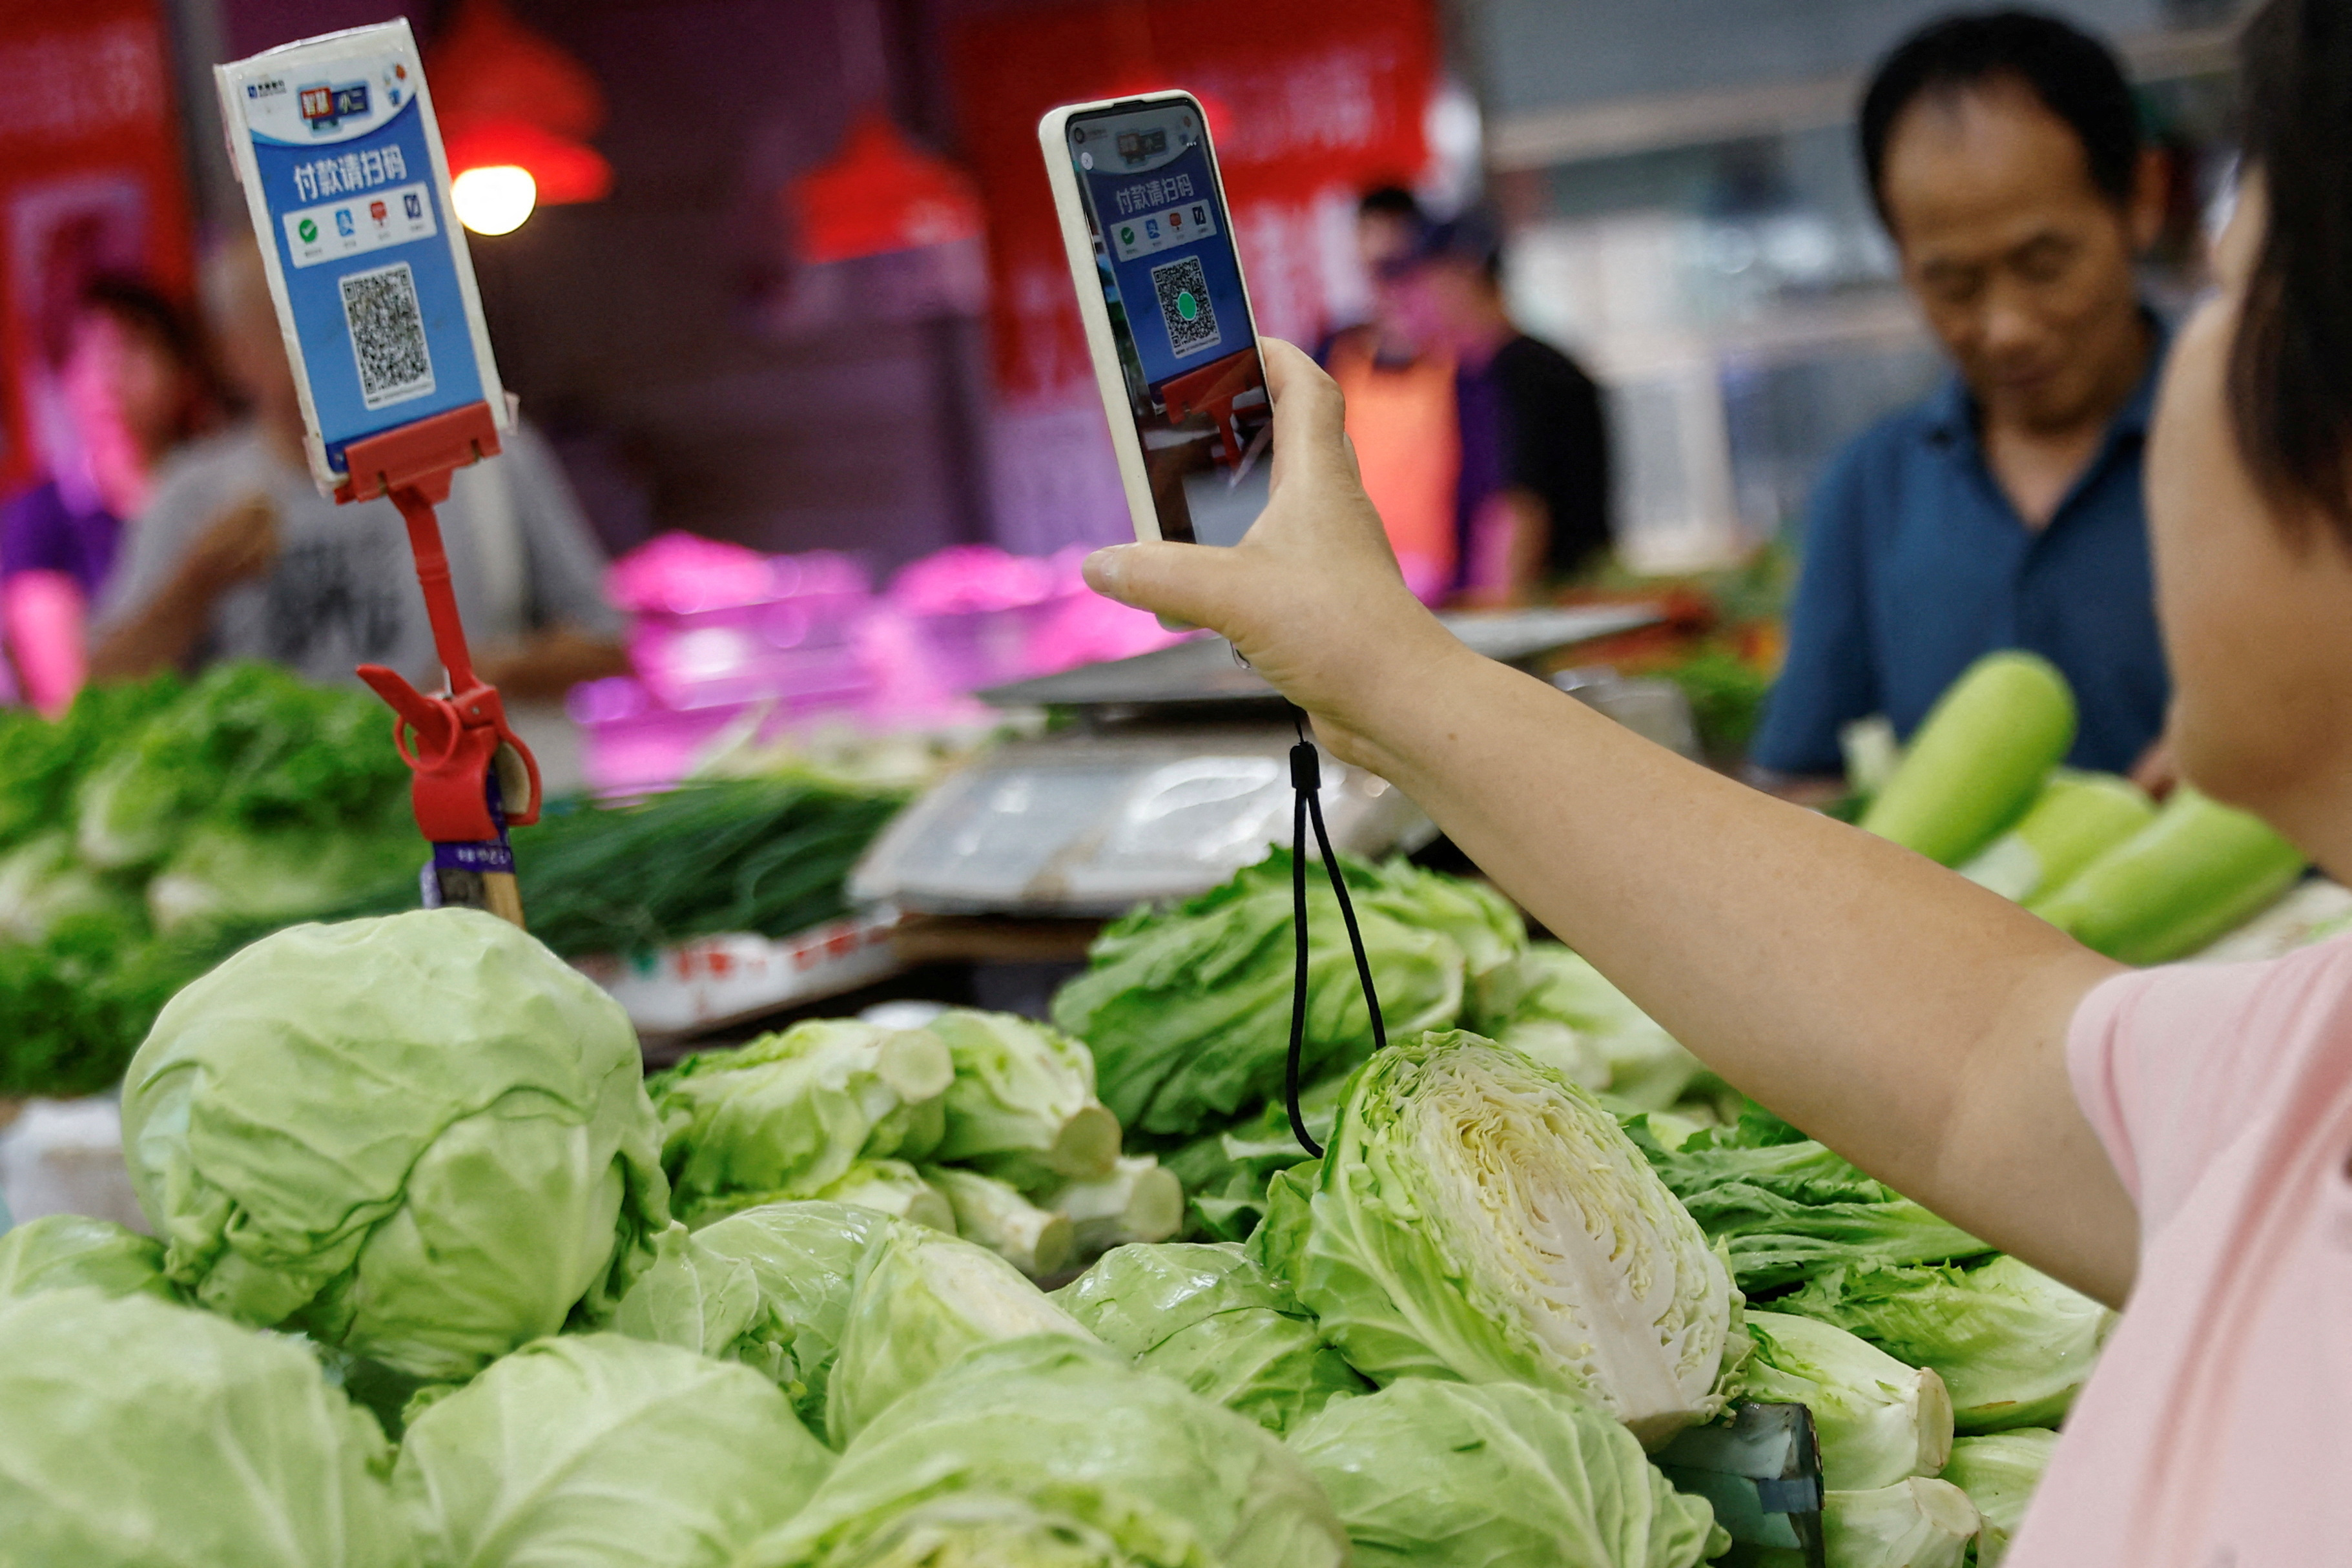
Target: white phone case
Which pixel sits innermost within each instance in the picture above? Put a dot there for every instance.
(1077, 242)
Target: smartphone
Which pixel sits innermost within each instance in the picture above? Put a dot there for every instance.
(1168, 317)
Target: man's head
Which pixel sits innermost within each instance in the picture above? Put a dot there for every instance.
(1389, 224)
(2005, 152)
(245, 328)
(1448, 288)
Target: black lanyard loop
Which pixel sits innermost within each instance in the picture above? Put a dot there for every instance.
(1307, 781)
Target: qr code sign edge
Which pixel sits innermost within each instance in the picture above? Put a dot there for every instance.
(387, 328)
(1170, 281)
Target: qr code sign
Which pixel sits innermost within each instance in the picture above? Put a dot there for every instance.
(387, 335)
(1184, 292)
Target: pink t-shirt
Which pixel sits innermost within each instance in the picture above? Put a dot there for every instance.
(2217, 1429)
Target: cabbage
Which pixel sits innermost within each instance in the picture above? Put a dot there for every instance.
(1188, 1011)
(1915, 1523)
(1999, 1471)
(2014, 1346)
(1138, 1201)
(993, 1213)
(1214, 1321)
(229, 873)
(1786, 1208)
(892, 1187)
(1023, 1104)
(769, 1286)
(1552, 1004)
(1049, 1450)
(1431, 1475)
(921, 1300)
(423, 1138)
(598, 1451)
(145, 1435)
(62, 1251)
(788, 1115)
(1876, 1420)
(1486, 926)
(1476, 1216)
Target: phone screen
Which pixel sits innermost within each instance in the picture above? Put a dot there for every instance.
(1164, 255)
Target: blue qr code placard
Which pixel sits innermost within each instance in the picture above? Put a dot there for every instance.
(1182, 289)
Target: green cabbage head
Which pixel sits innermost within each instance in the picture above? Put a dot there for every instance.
(1915, 1523)
(1479, 1218)
(1429, 1475)
(2012, 1345)
(62, 1251)
(1876, 1420)
(923, 1298)
(422, 1140)
(1216, 1323)
(769, 1287)
(138, 1435)
(1052, 1451)
(1023, 1105)
(601, 1451)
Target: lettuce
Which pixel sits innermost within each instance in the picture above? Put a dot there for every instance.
(993, 1214)
(145, 1435)
(1876, 1420)
(2014, 1346)
(1431, 1475)
(1479, 1218)
(2000, 1472)
(597, 1451)
(1553, 1004)
(1021, 1106)
(1214, 1321)
(1188, 1011)
(1050, 1450)
(787, 1115)
(423, 1138)
(64, 1251)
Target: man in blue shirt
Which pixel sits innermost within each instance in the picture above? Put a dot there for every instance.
(2003, 151)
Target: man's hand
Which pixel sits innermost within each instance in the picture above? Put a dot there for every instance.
(238, 546)
(1312, 595)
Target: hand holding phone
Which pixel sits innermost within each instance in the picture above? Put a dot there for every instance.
(1167, 313)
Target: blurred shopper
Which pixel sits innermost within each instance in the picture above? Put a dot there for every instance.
(2005, 152)
(1531, 489)
(237, 555)
(135, 386)
(1402, 414)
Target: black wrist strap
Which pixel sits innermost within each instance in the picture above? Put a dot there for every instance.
(1307, 782)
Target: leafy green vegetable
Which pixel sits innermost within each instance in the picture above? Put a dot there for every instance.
(1978, 760)
(64, 1251)
(892, 1187)
(993, 1214)
(1050, 1444)
(1139, 1201)
(42, 884)
(146, 1436)
(1023, 1104)
(1477, 1217)
(1787, 1210)
(1727, 696)
(423, 1138)
(787, 1115)
(769, 855)
(1188, 1011)
(2000, 1472)
(1875, 1420)
(42, 764)
(1553, 1004)
(801, 1259)
(2012, 1345)
(220, 872)
(922, 1300)
(1915, 1523)
(1217, 1324)
(1432, 1475)
(600, 1451)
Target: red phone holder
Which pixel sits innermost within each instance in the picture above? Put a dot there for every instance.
(462, 737)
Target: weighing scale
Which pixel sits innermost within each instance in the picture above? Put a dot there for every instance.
(1171, 774)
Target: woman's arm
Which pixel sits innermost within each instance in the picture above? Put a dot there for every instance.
(236, 547)
(45, 614)
(1908, 1018)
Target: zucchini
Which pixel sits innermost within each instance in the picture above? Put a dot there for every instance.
(2077, 819)
(1978, 760)
(2196, 872)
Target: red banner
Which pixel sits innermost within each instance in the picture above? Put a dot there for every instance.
(90, 182)
(1308, 102)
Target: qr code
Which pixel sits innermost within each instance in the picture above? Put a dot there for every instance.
(387, 335)
(1183, 291)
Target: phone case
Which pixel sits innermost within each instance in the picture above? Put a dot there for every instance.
(1078, 243)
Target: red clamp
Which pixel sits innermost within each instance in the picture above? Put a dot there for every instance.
(460, 738)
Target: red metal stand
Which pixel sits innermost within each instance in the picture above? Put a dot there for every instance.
(472, 776)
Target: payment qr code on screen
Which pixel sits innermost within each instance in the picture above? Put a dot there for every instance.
(387, 335)
(1184, 292)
